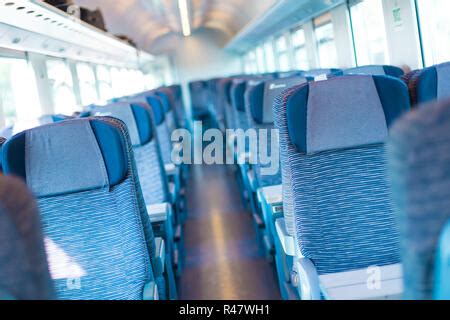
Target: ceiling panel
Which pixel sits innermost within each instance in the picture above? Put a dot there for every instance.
(144, 21)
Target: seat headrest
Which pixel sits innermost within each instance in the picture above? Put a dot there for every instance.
(70, 156)
(433, 83)
(262, 96)
(136, 117)
(227, 89)
(165, 100)
(157, 107)
(344, 112)
(237, 95)
(155, 104)
(379, 70)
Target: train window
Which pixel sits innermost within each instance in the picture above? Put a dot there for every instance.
(369, 32)
(139, 77)
(260, 59)
(120, 84)
(326, 47)
(87, 83)
(250, 65)
(299, 45)
(19, 99)
(104, 83)
(436, 30)
(270, 57)
(61, 82)
(281, 47)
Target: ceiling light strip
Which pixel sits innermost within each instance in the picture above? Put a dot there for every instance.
(184, 15)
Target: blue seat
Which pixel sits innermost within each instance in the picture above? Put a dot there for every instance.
(153, 181)
(171, 173)
(100, 243)
(376, 70)
(336, 197)
(239, 88)
(199, 104)
(237, 95)
(167, 101)
(224, 109)
(429, 84)
(23, 262)
(419, 151)
(180, 111)
(266, 184)
(214, 102)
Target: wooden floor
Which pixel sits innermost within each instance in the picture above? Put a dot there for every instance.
(223, 259)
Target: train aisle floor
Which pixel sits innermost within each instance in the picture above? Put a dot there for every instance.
(223, 260)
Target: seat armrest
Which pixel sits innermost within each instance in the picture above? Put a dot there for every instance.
(160, 251)
(173, 192)
(159, 212)
(374, 282)
(308, 279)
(273, 197)
(287, 241)
(150, 291)
(171, 169)
(251, 179)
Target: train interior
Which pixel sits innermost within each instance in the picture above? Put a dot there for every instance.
(225, 150)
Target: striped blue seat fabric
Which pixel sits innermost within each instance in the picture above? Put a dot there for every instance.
(260, 99)
(419, 152)
(334, 172)
(140, 123)
(23, 263)
(99, 239)
(163, 132)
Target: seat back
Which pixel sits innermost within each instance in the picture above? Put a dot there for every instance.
(99, 239)
(224, 110)
(335, 187)
(23, 263)
(379, 70)
(168, 102)
(139, 119)
(160, 118)
(430, 84)
(180, 111)
(237, 94)
(260, 100)
(197, 90)
(419, 151)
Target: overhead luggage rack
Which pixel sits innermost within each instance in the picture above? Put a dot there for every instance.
(54, 32)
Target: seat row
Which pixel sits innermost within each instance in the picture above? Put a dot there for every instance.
(346, 216)
(107, 201)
